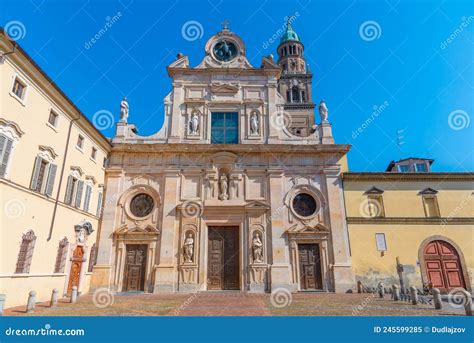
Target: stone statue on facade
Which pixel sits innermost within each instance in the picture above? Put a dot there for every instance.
(194, 124)
(188, 248)
(254, 124)
(323, 111)
(257, 248)
(224, 187)
(124, 109)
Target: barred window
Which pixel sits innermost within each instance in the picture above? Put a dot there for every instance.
(61, 256)
(26, 253)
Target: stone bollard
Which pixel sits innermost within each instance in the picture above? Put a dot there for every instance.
(396, 292)
(467, 303)
(437, 299)
(413, 295)
(381, 290)
(54, 298)
(2, 303)
(74, 294)
(359, 286)
(30, 305)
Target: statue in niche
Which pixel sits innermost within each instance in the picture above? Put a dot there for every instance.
(257, 248)
(188, 248)
(254, 124)
(323, 111)
(194, 124)
(124, 109)
(224, 187)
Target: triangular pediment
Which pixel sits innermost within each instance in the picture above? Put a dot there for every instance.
(428, 191)
(149, 229)
(373, 190)
(297, 229)
(224, 88)
(181, 62)
(257, 205)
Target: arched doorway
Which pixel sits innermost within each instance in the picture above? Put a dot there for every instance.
(442, 265)
(76, 267)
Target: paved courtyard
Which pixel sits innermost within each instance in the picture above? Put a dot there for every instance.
(232, 304)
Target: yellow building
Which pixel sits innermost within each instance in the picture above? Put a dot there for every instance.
(51, 183)
(424, 219)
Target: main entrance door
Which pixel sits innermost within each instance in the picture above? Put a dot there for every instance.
(310, 267)
(223, 258)
(443, 266)
(76, 266)
(135, 264)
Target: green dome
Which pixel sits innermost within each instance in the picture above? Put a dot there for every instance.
(289, 34)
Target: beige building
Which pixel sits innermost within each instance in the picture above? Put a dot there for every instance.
(238, 190)
(423, 219)
(51, 183)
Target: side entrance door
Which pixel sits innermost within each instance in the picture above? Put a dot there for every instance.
(443, 266)
(135, 264)
(310, 267)
(223, 258)
(76, 267)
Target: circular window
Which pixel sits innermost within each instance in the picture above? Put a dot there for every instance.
(141, 205)
(304, 205)
(225, 50)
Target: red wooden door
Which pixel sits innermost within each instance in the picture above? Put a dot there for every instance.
(443, 266)
(76, 267)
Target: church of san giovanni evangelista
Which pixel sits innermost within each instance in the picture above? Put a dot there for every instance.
(238, 190)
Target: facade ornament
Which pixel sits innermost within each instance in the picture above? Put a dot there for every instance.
(188, 248)
(254, 124)
(257, 248)
(124, 110)
(194, 124)
(224, 187)
(323, 111)
(81, 236)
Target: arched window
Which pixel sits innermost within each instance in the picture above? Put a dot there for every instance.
(295, 94)
(92, 258)
(61, 256)
(26, 253)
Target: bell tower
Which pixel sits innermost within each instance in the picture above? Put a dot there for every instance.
(295, 83)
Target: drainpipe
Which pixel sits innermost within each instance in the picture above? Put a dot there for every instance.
(61, 178)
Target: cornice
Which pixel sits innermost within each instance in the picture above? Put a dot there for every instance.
(415, 177)
(412, 220)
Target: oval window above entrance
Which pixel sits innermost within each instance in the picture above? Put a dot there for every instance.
(141, 205)
(304, 205)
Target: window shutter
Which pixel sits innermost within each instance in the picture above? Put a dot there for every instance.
(87, 198)
(80, 186)
(5, 149)
(99, 205)
(68, 197)
(51, 176)
(36, 170)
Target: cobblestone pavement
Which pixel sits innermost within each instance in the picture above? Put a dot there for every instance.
(230, 303)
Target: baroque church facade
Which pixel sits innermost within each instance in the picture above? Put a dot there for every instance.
(239, 189)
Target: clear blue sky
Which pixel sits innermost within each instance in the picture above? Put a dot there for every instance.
(391, 54)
